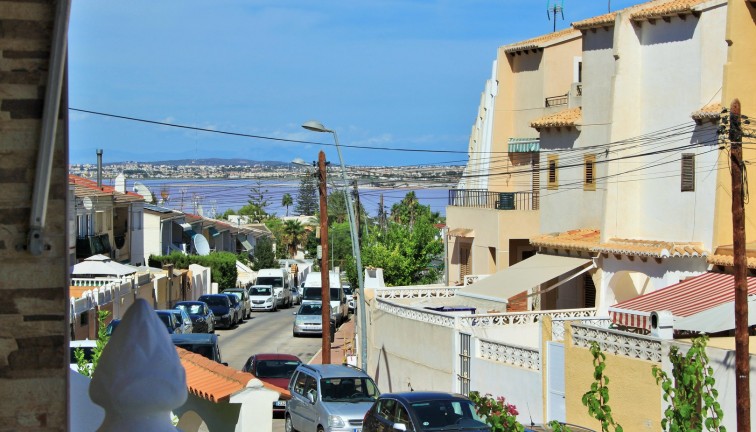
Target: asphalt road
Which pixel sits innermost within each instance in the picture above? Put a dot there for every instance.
(265, 332)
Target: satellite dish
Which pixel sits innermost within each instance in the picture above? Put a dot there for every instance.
(200, 244)
(87, 203)
(144, 191)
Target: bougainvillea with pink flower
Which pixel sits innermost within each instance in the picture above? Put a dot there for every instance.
(498, 413)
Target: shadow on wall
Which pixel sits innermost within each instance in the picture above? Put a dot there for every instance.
(377, 373)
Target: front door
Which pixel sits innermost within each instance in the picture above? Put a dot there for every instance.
(555, 380)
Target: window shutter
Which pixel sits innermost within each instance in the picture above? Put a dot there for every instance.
(589, 175)
(553, 182)
(688, 172)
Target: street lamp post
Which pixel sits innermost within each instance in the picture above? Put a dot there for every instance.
(318, 127)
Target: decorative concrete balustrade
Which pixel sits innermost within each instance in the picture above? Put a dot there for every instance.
(521, 318)
(423, 292)
(515, 355)
(618, 342)
(557, 325)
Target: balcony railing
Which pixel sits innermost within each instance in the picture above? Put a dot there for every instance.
(481, 198)
(555, 101)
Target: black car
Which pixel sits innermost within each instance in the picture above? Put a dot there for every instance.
(203, 319)
(423, 411)
(220, 304)
(236, 306)
(204, 344)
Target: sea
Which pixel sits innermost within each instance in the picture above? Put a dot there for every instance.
(212, 197)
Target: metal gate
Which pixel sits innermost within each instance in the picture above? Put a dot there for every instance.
(555, 382)
(464, 363)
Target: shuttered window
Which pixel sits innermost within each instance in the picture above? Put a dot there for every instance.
(589, 174)
(589, 291)
(465, 261)
(553, 163)
(536, 181)
(688, 173)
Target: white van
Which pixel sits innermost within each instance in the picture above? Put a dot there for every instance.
(280, 280)
(312, 293)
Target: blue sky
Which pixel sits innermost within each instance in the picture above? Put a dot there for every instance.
(385, 73)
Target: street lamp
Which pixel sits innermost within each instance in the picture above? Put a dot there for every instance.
(318, 127)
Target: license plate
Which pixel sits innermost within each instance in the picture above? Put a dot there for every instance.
(357, 430)
(279, 403)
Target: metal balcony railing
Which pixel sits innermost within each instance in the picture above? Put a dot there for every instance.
(555, 101)
(481, 198)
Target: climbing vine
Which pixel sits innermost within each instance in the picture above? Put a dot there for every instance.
(597, 398)
(690, 391)
(87, 366)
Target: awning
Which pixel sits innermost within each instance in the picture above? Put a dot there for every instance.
(523, 276)
(246, 245)
(684, 299)
(213, 232)
(187, 228)
(461, 232)
(717, 319)
(524, 145)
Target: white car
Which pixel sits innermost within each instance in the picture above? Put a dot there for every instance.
(262, 298)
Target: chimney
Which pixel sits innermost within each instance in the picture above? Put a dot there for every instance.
(99, 168)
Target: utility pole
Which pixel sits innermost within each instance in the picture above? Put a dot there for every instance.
(357, 211)
(325, 290)
(742, 367)
(381, 215)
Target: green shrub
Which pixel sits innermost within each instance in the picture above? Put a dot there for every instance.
(222, 265)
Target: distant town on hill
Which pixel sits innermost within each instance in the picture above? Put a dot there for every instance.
(217, 168)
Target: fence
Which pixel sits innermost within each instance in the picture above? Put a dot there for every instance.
(482, 198)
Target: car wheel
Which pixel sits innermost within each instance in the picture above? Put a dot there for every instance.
(288, 427)
(320, 429)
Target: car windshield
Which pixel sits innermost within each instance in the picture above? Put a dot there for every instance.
(441, 414)
(347, 291)
(348, 389)
(275, 368)
(214, 301)
(236, 294)
(259, 291)
(312, 293)
(205, 350)
(233, 298)
(310, 309)
(276, 282)
(191, 308)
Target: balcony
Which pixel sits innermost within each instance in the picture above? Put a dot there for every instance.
(481, 198)
(555, 101)
(92, 245)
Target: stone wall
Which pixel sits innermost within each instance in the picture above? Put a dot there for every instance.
(34, 309)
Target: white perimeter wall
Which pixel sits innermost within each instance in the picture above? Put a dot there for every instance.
(521, 387)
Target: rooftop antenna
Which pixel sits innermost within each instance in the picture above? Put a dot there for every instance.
(555, 7)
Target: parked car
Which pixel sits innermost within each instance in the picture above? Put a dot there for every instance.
(263, 298)
(329, 398)
(423, 411)
(170, 321)
(309, 320)
(87, 346)
(243, 296)
(203, 319)
(296, 296)
(220, 304)
(236, 306)
(204, 344)
(184, 320)
(281, 281)
(349, 294)
(312, 293)
(275, 369)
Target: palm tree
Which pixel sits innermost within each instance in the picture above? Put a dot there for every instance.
(293, 234)
(286, 201)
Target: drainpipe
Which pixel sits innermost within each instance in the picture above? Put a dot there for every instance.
(99, 168)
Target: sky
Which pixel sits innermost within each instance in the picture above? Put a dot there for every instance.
(398, 74)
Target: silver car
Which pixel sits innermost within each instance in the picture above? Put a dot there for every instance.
(329, 398)
(309, 320)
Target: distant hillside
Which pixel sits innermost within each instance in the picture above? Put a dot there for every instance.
(210, 162)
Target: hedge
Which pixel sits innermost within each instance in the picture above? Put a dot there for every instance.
(222, 265)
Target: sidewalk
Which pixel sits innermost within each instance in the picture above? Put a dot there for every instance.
(342, 344)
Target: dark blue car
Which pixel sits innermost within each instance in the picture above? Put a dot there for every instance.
(220, 304)
(203, 319)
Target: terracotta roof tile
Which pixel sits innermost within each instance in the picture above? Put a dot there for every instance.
(729, 261)
(579, 239)
(90, 186)
(654, 10)
(597, 21)
(709, 112)
(541, 41)
(564, 118)
(215, 382)
(651, 248)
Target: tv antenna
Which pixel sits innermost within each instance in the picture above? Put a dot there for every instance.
(554, 7)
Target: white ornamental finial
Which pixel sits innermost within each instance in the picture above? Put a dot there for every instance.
(139, 378)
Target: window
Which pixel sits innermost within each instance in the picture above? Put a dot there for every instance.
(688, 173)
(553, 163)
(589, 174)
(465, 260)
(386, 408)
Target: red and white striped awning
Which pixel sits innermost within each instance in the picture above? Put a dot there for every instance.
(686, 298)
